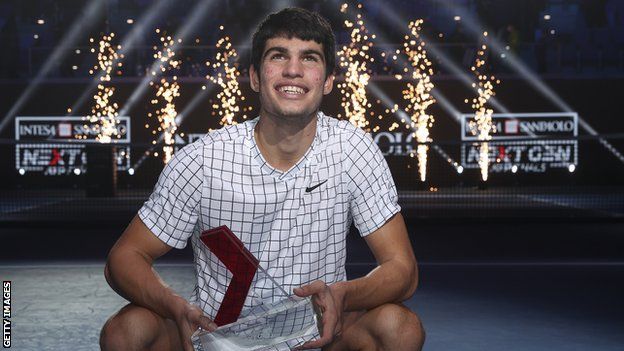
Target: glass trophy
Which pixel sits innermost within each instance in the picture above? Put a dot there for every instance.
(289, 322)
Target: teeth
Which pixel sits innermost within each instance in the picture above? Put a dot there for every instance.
(289, 89)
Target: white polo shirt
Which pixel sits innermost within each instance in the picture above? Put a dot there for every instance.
(293, 222)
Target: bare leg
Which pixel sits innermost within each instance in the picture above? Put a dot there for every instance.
(389, 327)
(136, 328)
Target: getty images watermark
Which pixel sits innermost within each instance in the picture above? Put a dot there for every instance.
(6, 314)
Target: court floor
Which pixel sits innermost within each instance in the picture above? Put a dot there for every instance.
(469, 306)
(525, 278)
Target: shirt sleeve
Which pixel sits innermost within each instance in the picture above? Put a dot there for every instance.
(171, 212)
(374, 198)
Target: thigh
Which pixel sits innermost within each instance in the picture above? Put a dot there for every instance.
(387, 327)
(136, 327)
(352, 336)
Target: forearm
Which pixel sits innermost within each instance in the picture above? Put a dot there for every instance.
(132, 276)
(393, 281)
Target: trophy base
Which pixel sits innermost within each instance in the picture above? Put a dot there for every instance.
(289, 322)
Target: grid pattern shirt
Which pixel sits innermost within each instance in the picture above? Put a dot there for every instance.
(297, 235)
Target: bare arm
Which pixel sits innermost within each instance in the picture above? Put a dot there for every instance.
(130, 273)
(394, 279)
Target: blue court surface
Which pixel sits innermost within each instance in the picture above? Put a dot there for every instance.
(463, 306)
(493, 285)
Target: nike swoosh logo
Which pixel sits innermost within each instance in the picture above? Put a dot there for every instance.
(310, 188)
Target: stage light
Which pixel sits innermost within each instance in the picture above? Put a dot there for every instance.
(521, 68)
(443, 60)
(457, 18)
(86, 20)
(552, 31)
(138, 32)
(77, 51)
(460, 169)
(74, 67)
(196, 17)
(547, 17)
(131, 171)
(246, 45)
(400, 115)
(130, 21)
(514, 169)
(77, 171)
(40, 21)
(572, 168)
(36, 36)
(21, 171)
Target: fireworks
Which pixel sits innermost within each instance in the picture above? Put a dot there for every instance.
(225, 74)
(167, 90)
(355, 58)
(418, 96)
(482, 125)
(104, 111)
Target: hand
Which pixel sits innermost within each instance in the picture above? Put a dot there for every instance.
(188, 319)
(330, 303)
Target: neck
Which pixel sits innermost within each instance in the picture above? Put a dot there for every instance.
(284, 140)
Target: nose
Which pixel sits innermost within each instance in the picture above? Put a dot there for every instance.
(294, 68)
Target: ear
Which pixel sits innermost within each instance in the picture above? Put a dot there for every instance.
(329, 84)
(254, 79)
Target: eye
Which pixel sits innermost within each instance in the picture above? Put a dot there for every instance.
(277, 56)
(311, 58)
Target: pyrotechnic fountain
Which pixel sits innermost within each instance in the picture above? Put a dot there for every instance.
(355, 58)
(418, 93)
(104, 113)
(166, 91)
(224, 74)
(482, 124)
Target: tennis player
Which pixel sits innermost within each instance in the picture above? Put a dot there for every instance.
(289, 184)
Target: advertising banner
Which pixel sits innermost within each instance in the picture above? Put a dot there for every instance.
(58, 146)
(532, 142)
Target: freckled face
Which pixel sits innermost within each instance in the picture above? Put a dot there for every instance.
(291, 81)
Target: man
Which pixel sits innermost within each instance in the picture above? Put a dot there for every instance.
(289, 184)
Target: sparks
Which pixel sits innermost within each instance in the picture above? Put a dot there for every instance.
(482, 124)
(224, 74)
(355, 58)
(104, 113)
(166, 91)
(418, 96)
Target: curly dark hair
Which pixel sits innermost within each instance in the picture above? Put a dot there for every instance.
(299, 23)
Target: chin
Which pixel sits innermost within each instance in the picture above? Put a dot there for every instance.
(295, 113)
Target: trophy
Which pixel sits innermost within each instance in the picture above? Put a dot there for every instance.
(289, 322)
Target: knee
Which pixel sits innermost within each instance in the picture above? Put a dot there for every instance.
(398, 328)
(112, 335)
(122, 331)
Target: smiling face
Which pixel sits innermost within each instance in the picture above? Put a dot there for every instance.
(291, 80)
